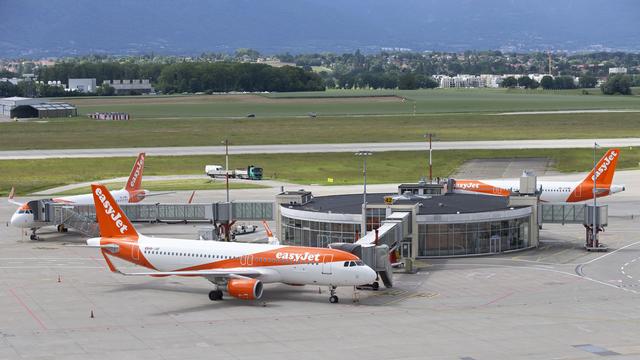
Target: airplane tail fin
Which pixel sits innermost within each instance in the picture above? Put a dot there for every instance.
(604, 170)
(111, 219)
(135, 178)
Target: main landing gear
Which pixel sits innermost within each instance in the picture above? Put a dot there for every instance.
(333, 298)
(215, 295)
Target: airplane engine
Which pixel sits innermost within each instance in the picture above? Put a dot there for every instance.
(245, 289)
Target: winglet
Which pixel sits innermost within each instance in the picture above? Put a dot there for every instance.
(111, 219)
(135, 178)
(11, 195)
(604, 170)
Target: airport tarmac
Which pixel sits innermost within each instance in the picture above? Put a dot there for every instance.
(554, 302)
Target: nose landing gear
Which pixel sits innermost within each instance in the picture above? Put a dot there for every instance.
(333, 298)
(33, 235)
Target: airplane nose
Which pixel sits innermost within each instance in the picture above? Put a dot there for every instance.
(370, 275)
(18, 220)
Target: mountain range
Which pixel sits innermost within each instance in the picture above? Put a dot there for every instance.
(41, 28)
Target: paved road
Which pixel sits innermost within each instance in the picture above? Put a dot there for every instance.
(317, 148)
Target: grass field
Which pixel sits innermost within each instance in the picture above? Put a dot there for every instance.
(343, 116)
(81, 133)
(176, 185)
(356, 102)
(387, 167)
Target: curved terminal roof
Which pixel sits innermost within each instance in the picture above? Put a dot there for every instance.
(442, 204)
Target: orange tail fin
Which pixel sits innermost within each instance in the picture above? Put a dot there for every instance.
(135, 178)
(111, 219)
(604, 170)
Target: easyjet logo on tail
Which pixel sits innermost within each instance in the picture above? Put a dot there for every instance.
(604, 164)
(116, 216)
(137, 170)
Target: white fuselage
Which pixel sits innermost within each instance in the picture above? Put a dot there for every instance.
(23, 218)
(551, 191)
(276, 263)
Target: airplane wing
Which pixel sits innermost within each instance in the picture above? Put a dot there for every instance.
(159, 193)
(10, 199)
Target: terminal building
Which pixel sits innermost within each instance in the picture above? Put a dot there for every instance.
(421, 220)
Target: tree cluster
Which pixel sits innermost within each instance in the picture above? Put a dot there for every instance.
(225, 77)
(617, 85)
(557, 83)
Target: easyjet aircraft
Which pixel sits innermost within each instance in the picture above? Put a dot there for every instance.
(131, 193)
(239, 268)
(553, 191)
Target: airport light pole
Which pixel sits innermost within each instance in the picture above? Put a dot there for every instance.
(593, 241)
(430, 137)
(364, 155)
(226, 176)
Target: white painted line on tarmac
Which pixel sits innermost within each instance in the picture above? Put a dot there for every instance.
(610, 253)
(551, 270)
(630, 277)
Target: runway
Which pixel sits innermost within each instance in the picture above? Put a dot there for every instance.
(317, 148)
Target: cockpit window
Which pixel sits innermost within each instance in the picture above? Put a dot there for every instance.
(346, 264)
(359, 262)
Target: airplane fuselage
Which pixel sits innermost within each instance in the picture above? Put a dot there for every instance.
(276, 263)
(551, 191)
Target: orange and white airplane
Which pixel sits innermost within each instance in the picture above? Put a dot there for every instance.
(131, 193)
(554, 191)
(239, 268)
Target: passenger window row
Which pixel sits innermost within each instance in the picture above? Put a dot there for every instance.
(211, 256)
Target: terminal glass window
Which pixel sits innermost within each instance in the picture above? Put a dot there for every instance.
(375, 217)
(316, 233)
(473, 238)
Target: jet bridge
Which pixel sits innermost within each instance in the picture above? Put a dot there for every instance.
(585, 214)
(83, 217)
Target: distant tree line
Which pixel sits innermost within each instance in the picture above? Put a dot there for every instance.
(550, 83)
(191, 76)
(381, 80)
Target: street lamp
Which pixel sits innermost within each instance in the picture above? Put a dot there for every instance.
(364, 155)
(430, 137)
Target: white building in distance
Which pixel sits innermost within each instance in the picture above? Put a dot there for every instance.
(82, 85)
(617, 70)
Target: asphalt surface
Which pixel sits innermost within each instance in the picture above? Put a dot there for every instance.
(316, 148)
(554, 302)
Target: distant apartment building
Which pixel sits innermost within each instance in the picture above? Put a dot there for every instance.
(126, 87)
(83, 85)
(617, 70)
(468, 81)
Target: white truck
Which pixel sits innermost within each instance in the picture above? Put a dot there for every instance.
(218, 171)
